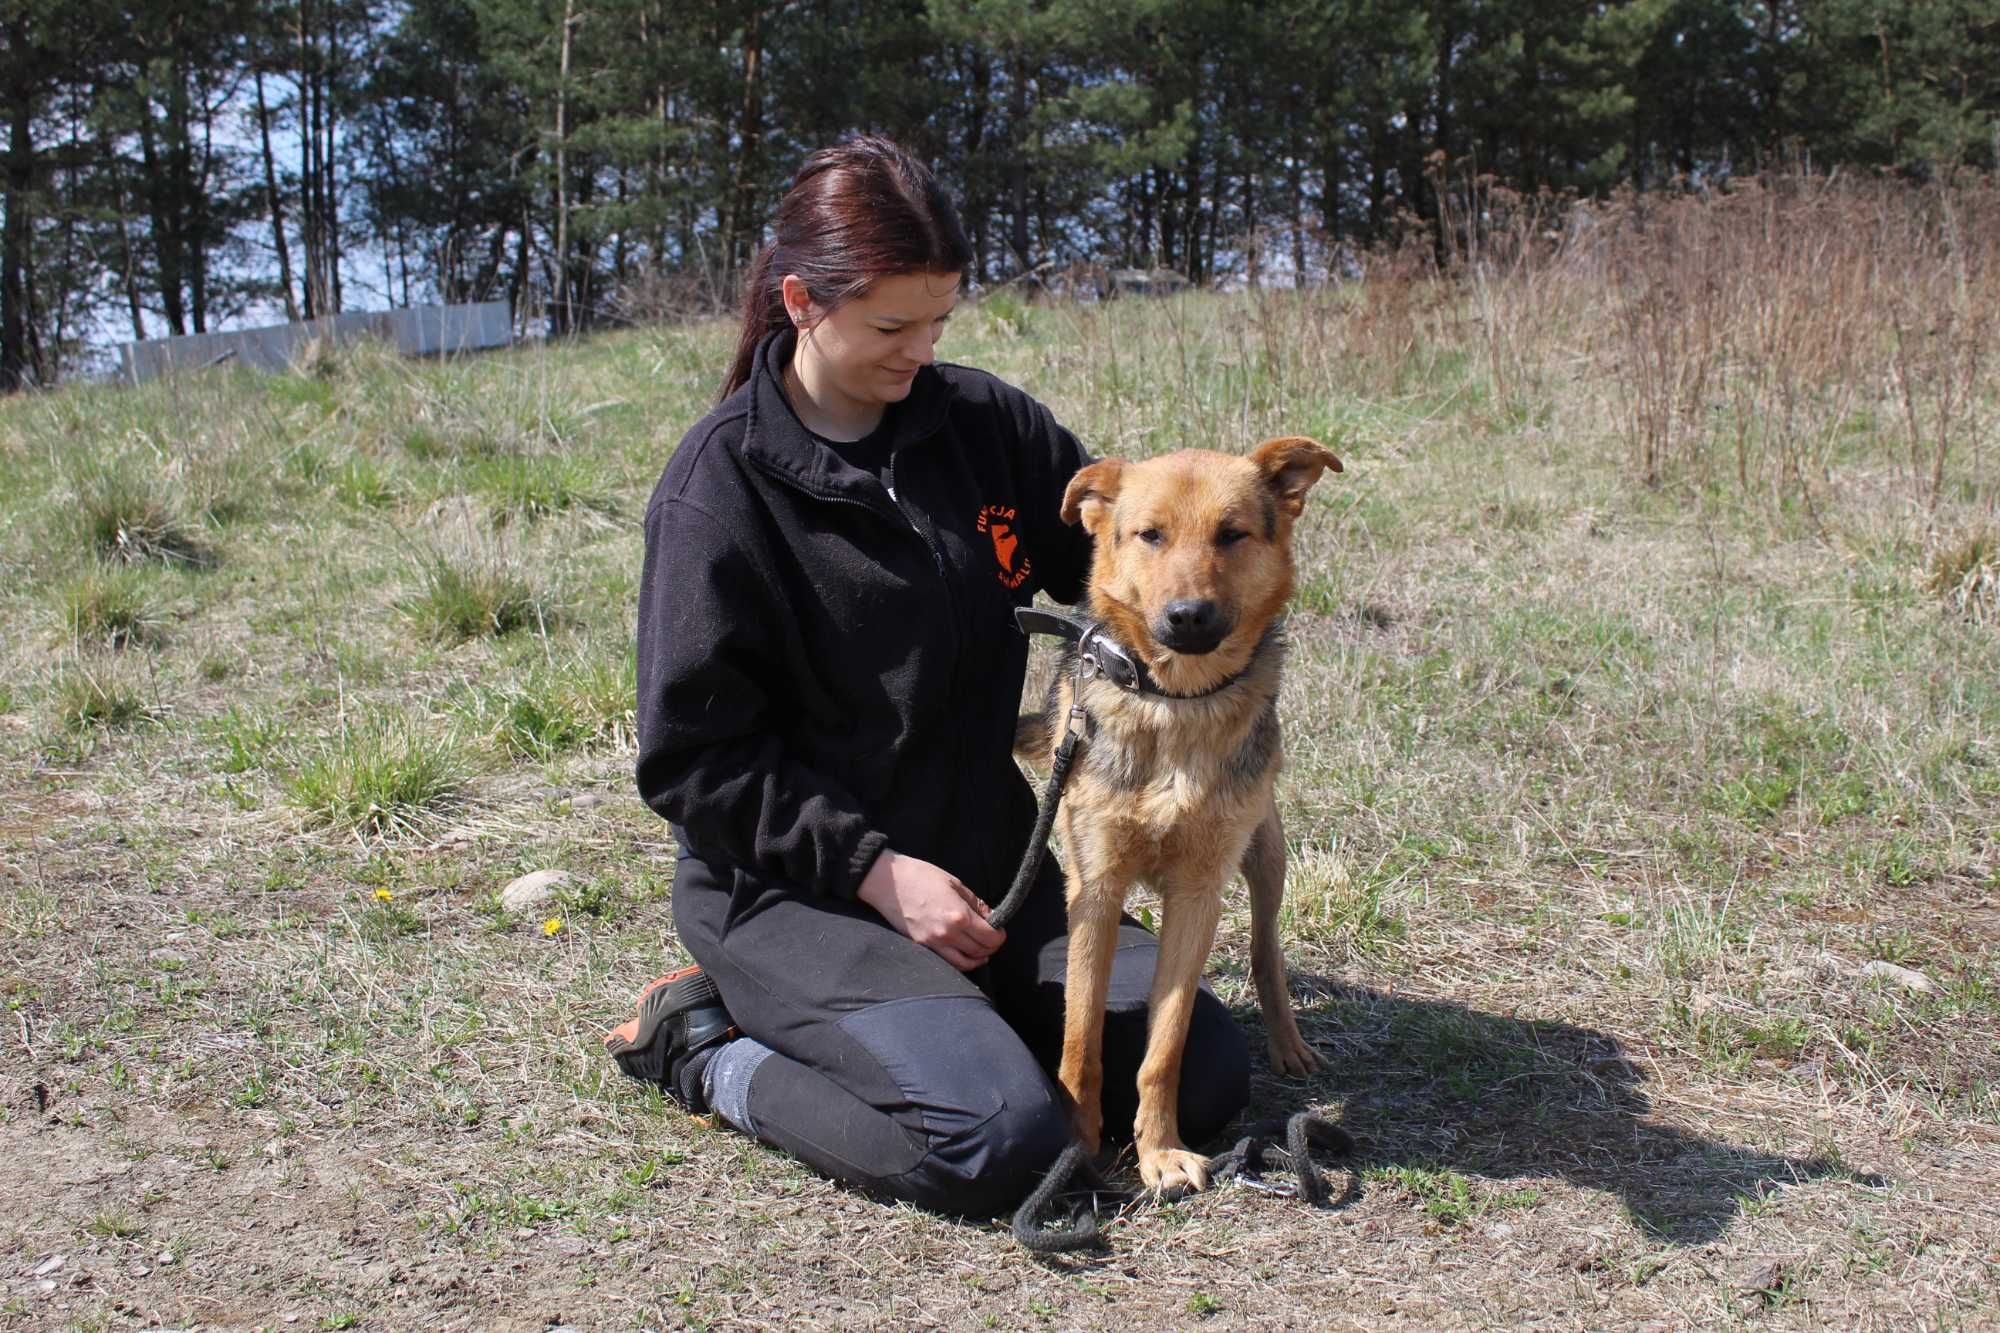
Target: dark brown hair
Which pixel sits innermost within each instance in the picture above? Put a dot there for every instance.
(856, 213)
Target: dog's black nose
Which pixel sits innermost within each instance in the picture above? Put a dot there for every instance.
(1191, 625)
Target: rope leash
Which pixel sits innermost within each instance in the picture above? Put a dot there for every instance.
(1037, 850)
(1256, 1152)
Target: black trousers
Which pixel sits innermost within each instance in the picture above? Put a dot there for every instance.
(896, 1073)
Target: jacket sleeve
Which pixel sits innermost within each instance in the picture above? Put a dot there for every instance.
(1050, 456)
(711, 757)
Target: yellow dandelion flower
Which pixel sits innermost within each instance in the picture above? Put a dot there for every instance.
(552, 925)
(383, 896)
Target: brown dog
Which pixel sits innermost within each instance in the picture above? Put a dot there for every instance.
(1192, 565)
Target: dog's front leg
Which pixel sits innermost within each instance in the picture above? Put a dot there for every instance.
(1187, 933)
(1093, 944)
(1264, 870)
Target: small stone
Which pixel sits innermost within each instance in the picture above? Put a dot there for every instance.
(1765, 1278)
(1906, 977)
(139, 1270)
(589, 800)
(51, 1264)
(164, 1257)
(532, 890)
(291, 1318)
(45, 1286)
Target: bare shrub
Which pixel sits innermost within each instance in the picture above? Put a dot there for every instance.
(1780, 319)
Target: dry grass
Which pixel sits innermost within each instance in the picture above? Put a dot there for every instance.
(1607, 780)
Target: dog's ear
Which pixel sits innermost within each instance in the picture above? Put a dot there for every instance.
(1091, 490)
(1291, 464)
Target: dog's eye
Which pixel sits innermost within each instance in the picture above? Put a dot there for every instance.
(1230, 536)
(1151, 536)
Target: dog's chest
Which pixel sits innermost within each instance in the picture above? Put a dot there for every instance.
(1166, 777)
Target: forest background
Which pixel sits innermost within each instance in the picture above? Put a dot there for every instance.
(172, 168)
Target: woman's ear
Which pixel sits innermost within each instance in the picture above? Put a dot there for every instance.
(798, 301)
(1091, 493)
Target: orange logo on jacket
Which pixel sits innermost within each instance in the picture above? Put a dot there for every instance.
(997, 522)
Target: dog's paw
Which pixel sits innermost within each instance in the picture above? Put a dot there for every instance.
(1290, 1056)
(1172, 1172)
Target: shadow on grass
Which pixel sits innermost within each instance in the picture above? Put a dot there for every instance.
(1429, 1086)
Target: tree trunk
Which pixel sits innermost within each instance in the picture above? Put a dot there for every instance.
(1253, 243)
(276, 201)
(166, 225)
(1017, 159)
(17, 239)
(978, 211)
(562, 316)
(328, 157)
(749, 139)
(314, 292)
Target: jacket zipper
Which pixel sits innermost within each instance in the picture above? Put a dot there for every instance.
(937, 556)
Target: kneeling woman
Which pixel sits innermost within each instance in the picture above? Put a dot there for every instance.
(829, 675)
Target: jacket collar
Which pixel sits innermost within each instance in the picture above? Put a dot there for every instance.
(776, 440)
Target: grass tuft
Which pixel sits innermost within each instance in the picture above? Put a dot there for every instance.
(1965, 574)
(472, 597)
(109, 605)
(125, 515)
(380, 779)
(560, 706)
(1325, 904)
(84, 698)
(535, 486)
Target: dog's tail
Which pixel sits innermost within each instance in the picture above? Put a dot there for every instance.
(1033, 738)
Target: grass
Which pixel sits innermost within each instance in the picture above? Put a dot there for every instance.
(84, 696)
(123, 510)
(384, 776)
(112, 606)
(459, 598)
(1602, 790)
(558, 706)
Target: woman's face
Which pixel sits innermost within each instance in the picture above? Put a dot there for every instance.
(868, 350)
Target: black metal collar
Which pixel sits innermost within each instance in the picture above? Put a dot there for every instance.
(1099, 654)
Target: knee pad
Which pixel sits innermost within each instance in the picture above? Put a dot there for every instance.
(990, 1116)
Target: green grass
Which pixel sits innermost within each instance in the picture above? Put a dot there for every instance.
(470, 597)
(384, 776)
(87, 695)
(124, 510)
(535, 486)
(111, 605)
(1450, 1199)
(554, 707)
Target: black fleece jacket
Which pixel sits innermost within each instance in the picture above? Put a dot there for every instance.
(826, 668)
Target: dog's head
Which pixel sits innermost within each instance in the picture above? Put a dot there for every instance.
(1193, 550)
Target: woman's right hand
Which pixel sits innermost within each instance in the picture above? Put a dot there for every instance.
(927, 903)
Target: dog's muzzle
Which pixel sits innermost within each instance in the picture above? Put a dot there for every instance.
(1192, 626)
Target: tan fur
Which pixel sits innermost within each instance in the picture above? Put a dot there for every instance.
(1178, 793)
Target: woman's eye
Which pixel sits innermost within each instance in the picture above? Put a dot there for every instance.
(1152, 536)
(1230, 536)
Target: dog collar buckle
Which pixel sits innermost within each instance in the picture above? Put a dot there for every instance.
(1101, 655)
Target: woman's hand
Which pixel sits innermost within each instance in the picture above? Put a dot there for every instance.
(928, 904)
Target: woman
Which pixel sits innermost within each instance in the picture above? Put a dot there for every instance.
(829, 676)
